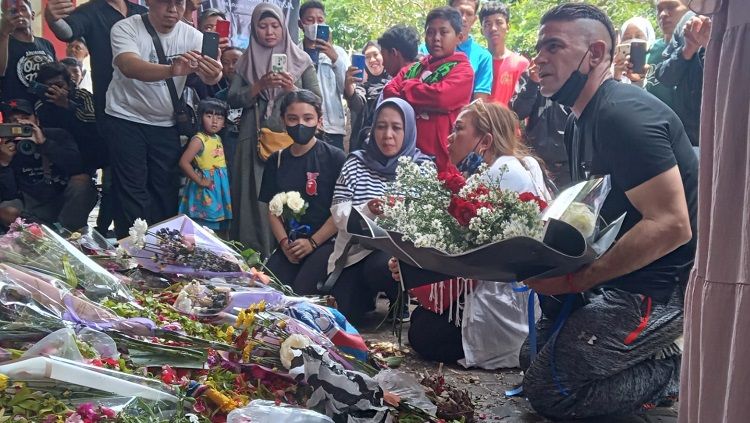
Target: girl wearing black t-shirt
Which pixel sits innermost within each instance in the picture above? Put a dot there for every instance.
(309, 168)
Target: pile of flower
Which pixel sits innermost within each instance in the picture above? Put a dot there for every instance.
(451, 214)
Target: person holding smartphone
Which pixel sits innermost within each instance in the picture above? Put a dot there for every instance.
(21, 52)
(630, 55)
(258, 90)
(331, 62)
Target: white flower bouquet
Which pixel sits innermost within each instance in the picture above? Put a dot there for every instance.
(442, 227)
(290, 207)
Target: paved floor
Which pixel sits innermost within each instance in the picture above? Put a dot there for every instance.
(487, 387)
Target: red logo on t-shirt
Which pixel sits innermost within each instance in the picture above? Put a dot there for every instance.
(311, 187)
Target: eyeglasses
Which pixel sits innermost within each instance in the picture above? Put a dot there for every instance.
(479, 102)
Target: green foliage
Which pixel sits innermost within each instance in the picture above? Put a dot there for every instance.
(354, 22)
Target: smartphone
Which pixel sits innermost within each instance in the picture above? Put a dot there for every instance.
(358, 61)
(222, 28)
(324, 32)
(9, 130)
(638, 55)
(210, 45)
(622, 50)
(38, 89)
(278, 62)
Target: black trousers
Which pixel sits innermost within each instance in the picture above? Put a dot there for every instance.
(145, 175)
(358, 284)
(302, 277)
(433, 337)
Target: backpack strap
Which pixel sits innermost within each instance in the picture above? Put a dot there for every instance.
(162, 59)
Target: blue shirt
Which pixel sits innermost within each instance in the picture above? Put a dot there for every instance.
(481, 61)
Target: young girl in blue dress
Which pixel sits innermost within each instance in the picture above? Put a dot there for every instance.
(206, 197)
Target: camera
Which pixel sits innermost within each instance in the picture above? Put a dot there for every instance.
(8, 130)
(25, 146)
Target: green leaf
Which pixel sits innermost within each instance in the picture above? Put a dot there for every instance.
(251, 256)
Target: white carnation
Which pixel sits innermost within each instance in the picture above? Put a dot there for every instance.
(137, 233)
(295, 341)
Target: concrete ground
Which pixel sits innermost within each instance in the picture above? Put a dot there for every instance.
(487, 387)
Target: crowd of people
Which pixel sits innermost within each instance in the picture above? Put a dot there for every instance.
(579, 107)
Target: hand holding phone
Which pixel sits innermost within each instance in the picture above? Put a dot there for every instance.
(323, 32)
(638, 56)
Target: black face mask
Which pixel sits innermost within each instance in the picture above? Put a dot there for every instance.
(571, 89)
(300, 133)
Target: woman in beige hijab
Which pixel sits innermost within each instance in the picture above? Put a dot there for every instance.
(255, 88)
(715, 371)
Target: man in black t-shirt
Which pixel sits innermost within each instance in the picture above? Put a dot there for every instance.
(93, 21)
(618, 347)
(21, 53)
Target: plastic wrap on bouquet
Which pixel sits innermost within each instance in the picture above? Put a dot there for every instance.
(262, 411)
(30, 299)
(181, 246)
(562, 249)
(40, 248)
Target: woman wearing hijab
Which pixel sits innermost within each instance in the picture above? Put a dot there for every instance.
(363, 180)
(635, 28)
(257, 90)
(362, 94)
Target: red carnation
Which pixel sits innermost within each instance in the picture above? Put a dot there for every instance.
(452, 181)
(463, 211)
(527, 196)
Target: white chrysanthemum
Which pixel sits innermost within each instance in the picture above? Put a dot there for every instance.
(295, 341)
(580, 216)
(137, 233)
(276, 206)
(296, 204)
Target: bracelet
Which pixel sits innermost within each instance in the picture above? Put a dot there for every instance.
(313, 243)
(285, 239)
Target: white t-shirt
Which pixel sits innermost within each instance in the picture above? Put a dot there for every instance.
(147, 102)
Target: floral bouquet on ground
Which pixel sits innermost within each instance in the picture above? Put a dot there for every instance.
(290, 207)
(443, 226)
(181, 246)
(39, 248)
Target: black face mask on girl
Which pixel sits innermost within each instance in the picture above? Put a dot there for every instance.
(301, 134)
(571, 89)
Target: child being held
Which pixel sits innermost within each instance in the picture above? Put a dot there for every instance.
(438, 86)
(206, 197)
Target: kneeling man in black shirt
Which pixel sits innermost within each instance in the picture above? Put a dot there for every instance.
(618, 350)
(49, 174)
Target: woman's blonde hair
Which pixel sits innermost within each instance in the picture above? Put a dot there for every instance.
(502, 124)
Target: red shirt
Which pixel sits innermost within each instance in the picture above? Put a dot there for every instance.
(436, 104)
(505, 74)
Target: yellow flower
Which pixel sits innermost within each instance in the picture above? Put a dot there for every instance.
(230, 335)
(3, 382)
(282, 324)
(249, 319)
(262, 305)
(240, 319)
(247, 351)
(222, 401)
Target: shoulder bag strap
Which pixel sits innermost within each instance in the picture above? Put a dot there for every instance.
(162, 59)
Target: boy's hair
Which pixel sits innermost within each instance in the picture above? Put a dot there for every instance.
(573, 11)
(241, 50)
(302, 96)
(494, 8)
(209, 13)
(446, 13)
(72, 61)
(476, 3)
(403, 38)
(311, 4)
(53, 70)
(213, 105)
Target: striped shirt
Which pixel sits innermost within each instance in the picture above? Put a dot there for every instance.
(358, 183)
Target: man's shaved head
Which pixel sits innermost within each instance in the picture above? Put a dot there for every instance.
(592, 21)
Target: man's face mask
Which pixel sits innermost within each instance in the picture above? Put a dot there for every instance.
(471, 162)
(300, 133)
(571, 89)
(311, 31)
